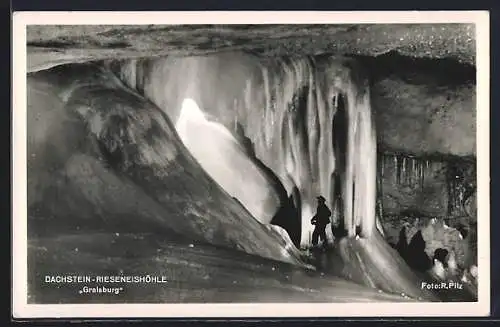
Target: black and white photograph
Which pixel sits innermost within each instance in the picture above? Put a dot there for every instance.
(252, 161)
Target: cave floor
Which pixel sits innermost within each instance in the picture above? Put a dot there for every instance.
(193, 273)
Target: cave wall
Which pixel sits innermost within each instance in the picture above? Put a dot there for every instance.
(434, 187)
(424, 107)
(425, 118)
(412, 186)
(426, 124)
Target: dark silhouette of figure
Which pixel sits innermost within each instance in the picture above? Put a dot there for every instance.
(441, 255)
(415, 254)
(402, 245)
(320, 220)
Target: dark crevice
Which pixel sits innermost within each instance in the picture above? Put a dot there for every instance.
(288, 217)
(413, 252)
(444, 71)
(339, 142)
(52, 44)
(66, 44)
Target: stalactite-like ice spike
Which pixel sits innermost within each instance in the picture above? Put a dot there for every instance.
(404, 168)
(421, 171)
(397, 168)
(382, 165)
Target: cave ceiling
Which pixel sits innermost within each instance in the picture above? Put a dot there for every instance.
(55, 44)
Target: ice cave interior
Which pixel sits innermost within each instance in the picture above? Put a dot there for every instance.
(198, 153)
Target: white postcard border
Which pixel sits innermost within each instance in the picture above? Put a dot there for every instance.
(19, 185)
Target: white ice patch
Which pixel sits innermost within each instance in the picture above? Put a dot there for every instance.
(224, 159)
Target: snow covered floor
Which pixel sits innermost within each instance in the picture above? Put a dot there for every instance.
(195, 273)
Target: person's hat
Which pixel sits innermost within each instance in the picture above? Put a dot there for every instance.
(321, 198)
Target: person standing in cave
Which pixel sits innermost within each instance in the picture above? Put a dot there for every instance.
(320, 220)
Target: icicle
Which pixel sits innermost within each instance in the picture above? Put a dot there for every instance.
(414, 171)
(421, 166)
(382, 162)
(451, 190)
(417, 172)
(379, 203)
(404, 169)
(410, 171)
(268, 112)
(455, 194)
(407, 173)
(461, 196)
(396, 168)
